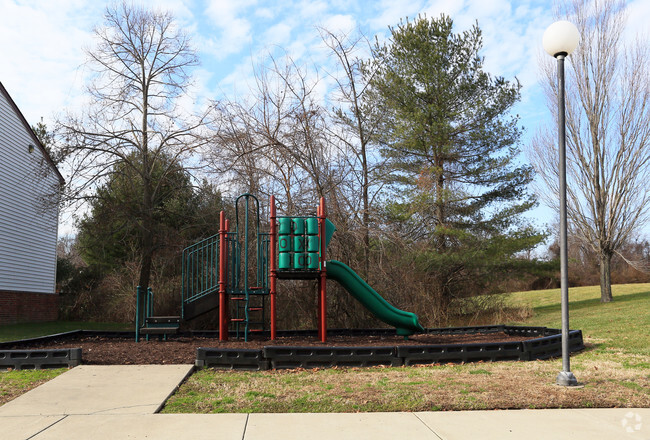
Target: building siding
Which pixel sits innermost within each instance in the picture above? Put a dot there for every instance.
(28, 227)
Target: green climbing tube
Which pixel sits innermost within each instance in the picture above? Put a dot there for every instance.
(405, 323)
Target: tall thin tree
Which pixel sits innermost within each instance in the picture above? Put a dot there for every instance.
(608, 132)
(140, 72)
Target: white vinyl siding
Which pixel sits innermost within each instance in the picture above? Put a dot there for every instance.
(28, 227)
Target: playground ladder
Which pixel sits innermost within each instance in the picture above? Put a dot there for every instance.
(246, 291)
(250, 313)
(249, 299)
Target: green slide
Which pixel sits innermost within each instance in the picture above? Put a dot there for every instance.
(405, 323)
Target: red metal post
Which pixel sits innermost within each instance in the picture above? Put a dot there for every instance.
(322, 281)
(273, 263)
(320, 265)
(226, 277)
(223, 270)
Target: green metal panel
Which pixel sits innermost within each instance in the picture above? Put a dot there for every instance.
(312, 225)
(284, 243)
(299, 244)
(284, 225)
(299, 261)
(200, 269)
(298, 226)
(284, 262)
(312, 260)
(312, 243)
(329, 231)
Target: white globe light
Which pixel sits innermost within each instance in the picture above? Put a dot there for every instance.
(561, 37)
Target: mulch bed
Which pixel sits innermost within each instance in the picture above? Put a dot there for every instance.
(114, 351)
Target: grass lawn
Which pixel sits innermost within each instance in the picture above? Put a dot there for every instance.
(15, 383)
(622, 325)
(614, 371)
(14, 332)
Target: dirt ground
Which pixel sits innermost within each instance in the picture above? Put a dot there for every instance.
(114, 351)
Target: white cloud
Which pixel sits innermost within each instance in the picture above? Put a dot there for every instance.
(235, 29)
(339, 23)
(311, 10)
(279, 33)
(637, 20)
(223, 11)
(447, 7)
(181, 9)
(493, 8)
(42, 48)
(236, 82)
(265, 13)
(390, 12)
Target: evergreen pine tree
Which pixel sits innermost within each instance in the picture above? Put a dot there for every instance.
(459, 191)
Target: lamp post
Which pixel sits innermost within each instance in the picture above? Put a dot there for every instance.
(560, 39)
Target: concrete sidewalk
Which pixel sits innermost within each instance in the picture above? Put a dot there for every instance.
(120, 402)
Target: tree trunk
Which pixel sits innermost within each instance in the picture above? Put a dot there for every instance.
(605, 277)
(441, 302)
(441, 243)
(147, 237)
(366, 211)
(147, 196)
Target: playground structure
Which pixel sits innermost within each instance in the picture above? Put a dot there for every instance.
(238, 273)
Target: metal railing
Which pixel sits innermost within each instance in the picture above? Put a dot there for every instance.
(200, 270)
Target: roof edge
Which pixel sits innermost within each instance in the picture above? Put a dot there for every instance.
(4, 91)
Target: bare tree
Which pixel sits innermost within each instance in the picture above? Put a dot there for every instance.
(274, 141)
(608, 132)
(134, 116)
(356, 122)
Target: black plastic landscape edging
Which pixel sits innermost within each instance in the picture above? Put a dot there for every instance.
(544, 343)
(39, 359)
(460, 353)
(231, 358)
(283, 357)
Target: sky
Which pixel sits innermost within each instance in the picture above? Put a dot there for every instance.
(42, 43)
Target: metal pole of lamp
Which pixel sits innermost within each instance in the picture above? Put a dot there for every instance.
(560, 40)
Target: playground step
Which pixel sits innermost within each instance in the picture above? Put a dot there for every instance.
(158, 330)
(297, 275)
(158, 320)
(251, 293)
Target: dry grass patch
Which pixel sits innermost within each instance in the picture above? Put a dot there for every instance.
(425, 388)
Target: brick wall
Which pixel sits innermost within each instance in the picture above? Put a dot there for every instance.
(28, 307)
